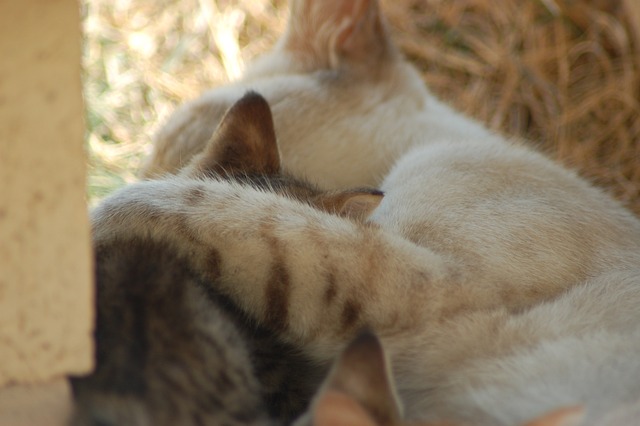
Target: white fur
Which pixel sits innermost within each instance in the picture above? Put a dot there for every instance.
(532, 295)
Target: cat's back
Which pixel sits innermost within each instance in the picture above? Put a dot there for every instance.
(580, 349)
(164, 354)
(503, 210)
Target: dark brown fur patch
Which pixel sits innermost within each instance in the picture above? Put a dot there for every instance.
(278, 287)
(277, 294)
(194, 196)
(331, 291)
(213, 265)
(350, 314)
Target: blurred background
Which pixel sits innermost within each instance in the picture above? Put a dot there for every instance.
(563, 73)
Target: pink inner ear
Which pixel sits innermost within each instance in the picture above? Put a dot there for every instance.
(339, 409)
(362, 18)
(321, 11)
(329, 29)
(568, 416)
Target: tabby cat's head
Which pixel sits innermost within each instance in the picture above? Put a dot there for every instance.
(244, 148)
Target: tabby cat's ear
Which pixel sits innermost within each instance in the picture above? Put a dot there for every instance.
(356, 204)
(358, 390)
(569, 416)
(244, 142)
(338, 30)
(338, 409)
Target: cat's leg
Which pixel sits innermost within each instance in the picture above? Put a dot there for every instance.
(563, 352)
(312, 276)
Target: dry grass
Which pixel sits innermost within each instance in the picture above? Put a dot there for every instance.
(143, 58)
(565, 73)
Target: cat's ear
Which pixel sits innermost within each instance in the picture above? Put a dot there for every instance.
(338, 409)
(358, 390)
(244, 142)
(568, 416)
(338, 30)
(356, 204)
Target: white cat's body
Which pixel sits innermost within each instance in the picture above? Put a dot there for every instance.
(523, 230)
(501, 284)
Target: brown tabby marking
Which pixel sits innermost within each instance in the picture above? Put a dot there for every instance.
(351, 314)
(164, 355)
(213, 264)
(332, 289)
(278, 288)
(194, 197)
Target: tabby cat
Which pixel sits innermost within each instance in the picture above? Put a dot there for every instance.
(170, 350)
(502, 285)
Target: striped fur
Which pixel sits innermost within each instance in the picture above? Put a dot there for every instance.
(503, 285)
(166, 353)
(170, 348)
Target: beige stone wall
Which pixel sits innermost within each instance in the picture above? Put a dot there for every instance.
(44, 404)
(45, 270)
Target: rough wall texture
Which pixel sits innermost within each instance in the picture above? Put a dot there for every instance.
(45, 271)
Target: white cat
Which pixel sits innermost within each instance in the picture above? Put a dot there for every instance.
(502, 284)
(346, 105)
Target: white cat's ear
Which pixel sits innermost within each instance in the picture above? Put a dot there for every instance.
(358, 390)
(357, 204)
(569, 416)
(338, 31)
(244, 142)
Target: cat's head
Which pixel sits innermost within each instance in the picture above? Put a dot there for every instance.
(334, 65)
(359, 391)
(333, 36)
(244, 149)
